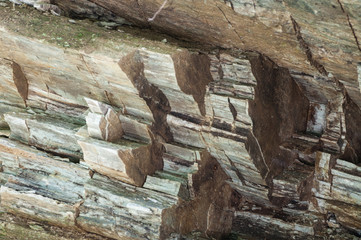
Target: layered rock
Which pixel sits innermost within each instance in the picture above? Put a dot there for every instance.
(116, 139)
(146, 142)
(40, 186)
(54, 134)
(337, 185)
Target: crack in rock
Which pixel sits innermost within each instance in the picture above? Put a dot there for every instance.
(307, 49)
(230, 2)
(229, 22)
(350, 24)
(233, 109)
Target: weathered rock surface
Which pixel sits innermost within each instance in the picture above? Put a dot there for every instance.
(252, 131)
(122, 211)
(40, 186)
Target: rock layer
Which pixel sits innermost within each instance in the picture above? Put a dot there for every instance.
(255, 133)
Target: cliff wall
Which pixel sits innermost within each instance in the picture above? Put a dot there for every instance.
(180, 119)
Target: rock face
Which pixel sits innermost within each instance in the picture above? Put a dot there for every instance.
(250, 128)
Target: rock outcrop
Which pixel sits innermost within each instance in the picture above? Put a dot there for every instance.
(248, 126)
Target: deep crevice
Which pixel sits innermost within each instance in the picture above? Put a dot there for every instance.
(211, 211)
(353, 121)
(278, 111)
(56, 154)
(188, 118)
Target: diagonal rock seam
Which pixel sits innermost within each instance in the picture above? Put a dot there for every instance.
(350, 24)
(229, 22)
(230, 2)
(338, 84)
(306, 48)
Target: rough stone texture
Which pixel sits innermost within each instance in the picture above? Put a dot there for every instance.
(127, 161)
(103, 122)
(122, 211)
(250, 128)
(40, 186)
(56, 135)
